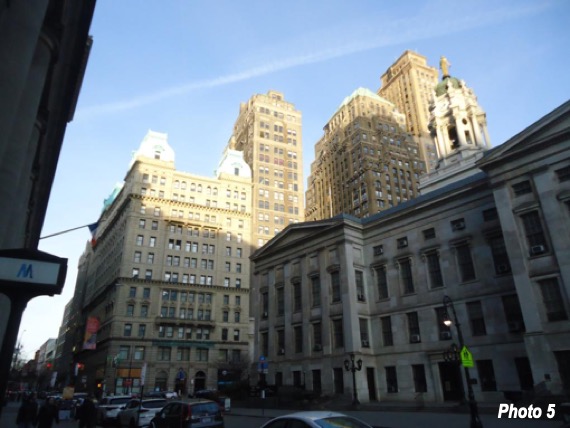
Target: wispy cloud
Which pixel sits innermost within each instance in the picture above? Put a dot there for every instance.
(377, 35)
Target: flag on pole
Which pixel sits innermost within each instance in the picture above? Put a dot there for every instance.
(93, 229)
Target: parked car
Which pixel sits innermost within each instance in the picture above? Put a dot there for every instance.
(191, 414)
(170, 394)
(109, 408)
(316, 419)
(137, 414)
(154, 394)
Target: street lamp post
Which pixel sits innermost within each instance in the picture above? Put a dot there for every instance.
(473, 410)
(350, 366)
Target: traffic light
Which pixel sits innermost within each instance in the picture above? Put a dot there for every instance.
(48, 366)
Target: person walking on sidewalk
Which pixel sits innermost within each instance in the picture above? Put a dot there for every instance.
(28, 412)
(48, 413)
(86, 414)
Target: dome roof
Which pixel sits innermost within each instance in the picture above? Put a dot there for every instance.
(441, 87)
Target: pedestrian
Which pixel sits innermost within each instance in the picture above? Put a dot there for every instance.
(27, 413)
(86, 413)
(48, 413)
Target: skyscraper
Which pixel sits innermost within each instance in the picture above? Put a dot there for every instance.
(365, 161)
(268, 132)
(409, 84)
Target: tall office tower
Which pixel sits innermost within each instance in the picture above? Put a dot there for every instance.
(365, 161)
(166, 285)
(268, 132)
(409, 83)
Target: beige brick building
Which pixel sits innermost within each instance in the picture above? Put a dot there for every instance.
(365, 162)
(168, 278)
(409, 83)
(268, 132)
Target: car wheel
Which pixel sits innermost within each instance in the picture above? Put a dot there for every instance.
(132, 424)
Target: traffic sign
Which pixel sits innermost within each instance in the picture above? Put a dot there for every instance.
(466, 357)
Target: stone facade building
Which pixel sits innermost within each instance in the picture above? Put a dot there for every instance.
(167, 278)
(365, 162)
(493, 239)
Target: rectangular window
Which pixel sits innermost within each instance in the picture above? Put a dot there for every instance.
(297, 302)
(391, 379)
(317, 336)
(434, 269)
(413, 327)
(335, 286)
(364, 338)
(534, 233)
(127, 330)
(429, 233)
(476, 318)
(500, 256)
(406, 275)
(316, 291)
(486, 375)
(201, 354)
(298, 331)
(522, 188)
(382, 282)
(280, 301)
(465, 262)
(553, 301)
(387, 337)
(419, 373)
(359, 278)
(338, 333)
(513, 313)
(183, 354)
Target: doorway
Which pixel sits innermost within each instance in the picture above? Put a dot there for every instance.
(451, 382)
(199, 381)
(371, 383)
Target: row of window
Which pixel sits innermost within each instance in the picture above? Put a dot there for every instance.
(475, 314)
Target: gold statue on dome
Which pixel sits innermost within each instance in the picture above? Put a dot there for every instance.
(444, 66)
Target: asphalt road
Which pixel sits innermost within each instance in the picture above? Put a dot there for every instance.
(246, 418)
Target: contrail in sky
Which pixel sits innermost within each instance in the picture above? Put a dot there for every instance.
(384, 34)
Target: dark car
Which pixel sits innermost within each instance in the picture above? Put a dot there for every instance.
(191, 414)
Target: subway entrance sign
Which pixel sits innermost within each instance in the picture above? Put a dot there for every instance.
(31, 271)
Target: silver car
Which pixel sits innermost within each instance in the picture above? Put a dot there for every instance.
(315, 419)
(137, 414)
(109, 408)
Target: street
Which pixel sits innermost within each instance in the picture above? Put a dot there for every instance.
(241, 417)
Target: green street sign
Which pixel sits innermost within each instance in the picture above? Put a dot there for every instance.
(466, 357)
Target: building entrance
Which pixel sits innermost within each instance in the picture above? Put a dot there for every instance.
(451, 382)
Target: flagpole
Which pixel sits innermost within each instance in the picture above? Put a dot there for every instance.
(66, 231)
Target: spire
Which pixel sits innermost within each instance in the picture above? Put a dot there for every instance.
(458, 125)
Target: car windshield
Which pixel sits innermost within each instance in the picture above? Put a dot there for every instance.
(340, 422)
(154, 404)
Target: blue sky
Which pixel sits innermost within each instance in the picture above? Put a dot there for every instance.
(183, 67)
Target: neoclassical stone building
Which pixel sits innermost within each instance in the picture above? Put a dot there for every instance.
(167, 279)
(490, 231)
